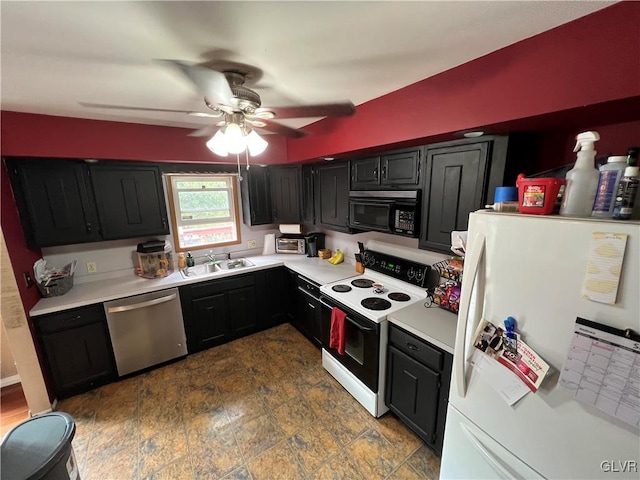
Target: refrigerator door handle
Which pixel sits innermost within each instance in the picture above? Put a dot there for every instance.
(495, 462)
(473, 264)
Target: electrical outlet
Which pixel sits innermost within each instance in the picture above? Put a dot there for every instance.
(91, 267)
(251, 244)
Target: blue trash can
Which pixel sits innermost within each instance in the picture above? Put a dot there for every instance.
(40, 449)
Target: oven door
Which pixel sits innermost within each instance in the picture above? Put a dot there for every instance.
(371, 214)
(362, 343)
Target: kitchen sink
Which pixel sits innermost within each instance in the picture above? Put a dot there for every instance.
(213, 268)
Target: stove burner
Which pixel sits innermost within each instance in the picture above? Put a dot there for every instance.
(362, 283)
(399, 297)
(373, 303)
(341, 288)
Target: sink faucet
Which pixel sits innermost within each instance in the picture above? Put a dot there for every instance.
(211, 256)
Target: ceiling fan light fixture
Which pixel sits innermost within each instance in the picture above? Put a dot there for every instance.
(218, 144)
(255, 143)
(234, 137)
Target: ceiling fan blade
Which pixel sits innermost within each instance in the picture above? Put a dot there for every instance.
(207, 131)
(282, 129)
(210, 83)
(148, 109)
(320, 110)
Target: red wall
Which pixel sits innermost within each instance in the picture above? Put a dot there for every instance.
(591, 61)
(25, 134)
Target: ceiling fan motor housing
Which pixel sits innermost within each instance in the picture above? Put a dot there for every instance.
(246, 99)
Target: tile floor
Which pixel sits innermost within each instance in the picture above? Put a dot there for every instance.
(261, 407)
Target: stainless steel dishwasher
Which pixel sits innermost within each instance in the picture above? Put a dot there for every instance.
(146, 330)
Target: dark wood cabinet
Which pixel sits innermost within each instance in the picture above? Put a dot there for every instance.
(77, 349)
(129, 200)
(308, 193)
(55, 201)
(460, 177)
(274, 295)
(308, 317)
(256, 196)
(217, 311)
(63, 202)
(332, 196)
(285, 194)
(418, 377)
(398, 169)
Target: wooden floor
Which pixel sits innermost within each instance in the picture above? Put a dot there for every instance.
(13, 407)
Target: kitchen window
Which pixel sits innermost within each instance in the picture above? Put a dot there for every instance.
(204, 210)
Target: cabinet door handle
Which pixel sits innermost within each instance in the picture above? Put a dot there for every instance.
(89, 227)
(375, 172)
(311, 305)
(384, 172)
(73, 319)
(413, 347)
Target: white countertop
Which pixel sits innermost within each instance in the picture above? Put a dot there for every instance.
(316, 269)
(434, 324)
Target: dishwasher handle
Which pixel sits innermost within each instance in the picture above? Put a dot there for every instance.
(148, 303)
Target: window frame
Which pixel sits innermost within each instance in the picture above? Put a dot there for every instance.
(175, 225)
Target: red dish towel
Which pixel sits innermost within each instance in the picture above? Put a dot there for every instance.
(336, 338)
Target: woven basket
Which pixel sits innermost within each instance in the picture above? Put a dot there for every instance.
(324, 253)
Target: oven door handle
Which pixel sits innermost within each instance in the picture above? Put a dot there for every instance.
(358, 325)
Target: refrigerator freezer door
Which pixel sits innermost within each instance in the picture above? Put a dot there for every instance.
(532, 268)
(477, 454)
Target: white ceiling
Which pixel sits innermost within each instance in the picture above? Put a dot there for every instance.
(56, 54)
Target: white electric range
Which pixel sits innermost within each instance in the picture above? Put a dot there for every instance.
(388, 284)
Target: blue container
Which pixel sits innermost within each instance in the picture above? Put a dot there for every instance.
(506, 194)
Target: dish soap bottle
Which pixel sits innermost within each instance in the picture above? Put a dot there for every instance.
(182, 262)
(190, 260)
(582, 179)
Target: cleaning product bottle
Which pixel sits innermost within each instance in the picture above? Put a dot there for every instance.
(610, 175)
(582, 179)
(627, 193)
(190, 260)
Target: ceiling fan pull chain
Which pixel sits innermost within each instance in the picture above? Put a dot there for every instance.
(238, 162)
(246, 154)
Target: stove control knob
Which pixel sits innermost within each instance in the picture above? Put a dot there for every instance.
(411, 273)
(419, 276)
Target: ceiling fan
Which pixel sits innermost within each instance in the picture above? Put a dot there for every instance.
(228, 98)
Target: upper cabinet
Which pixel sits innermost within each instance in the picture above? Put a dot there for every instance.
(285, 194)
(55, 201)
(64, 202)
(308, 192)
(129, 200)
(458, 177)
(399, 169)
(332, 196)
(256, 196)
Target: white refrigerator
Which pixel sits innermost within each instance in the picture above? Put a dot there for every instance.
(532, 268)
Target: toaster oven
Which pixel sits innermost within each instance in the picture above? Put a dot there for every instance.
(291, 244)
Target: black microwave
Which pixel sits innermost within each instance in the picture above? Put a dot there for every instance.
(396, 212)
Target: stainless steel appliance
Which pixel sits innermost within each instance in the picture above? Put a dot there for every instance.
(389, 284)
(396, 212)
(146, 330)
(291, 243)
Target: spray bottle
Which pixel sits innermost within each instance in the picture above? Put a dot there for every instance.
(582, 179)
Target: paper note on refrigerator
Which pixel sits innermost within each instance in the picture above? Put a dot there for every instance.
(506, 383)
(606, 254)
(602, 368)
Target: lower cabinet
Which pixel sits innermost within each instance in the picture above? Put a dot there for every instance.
(418, 377)
(307, 317)
(273, 296)
(217, 311)
(77, 349)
